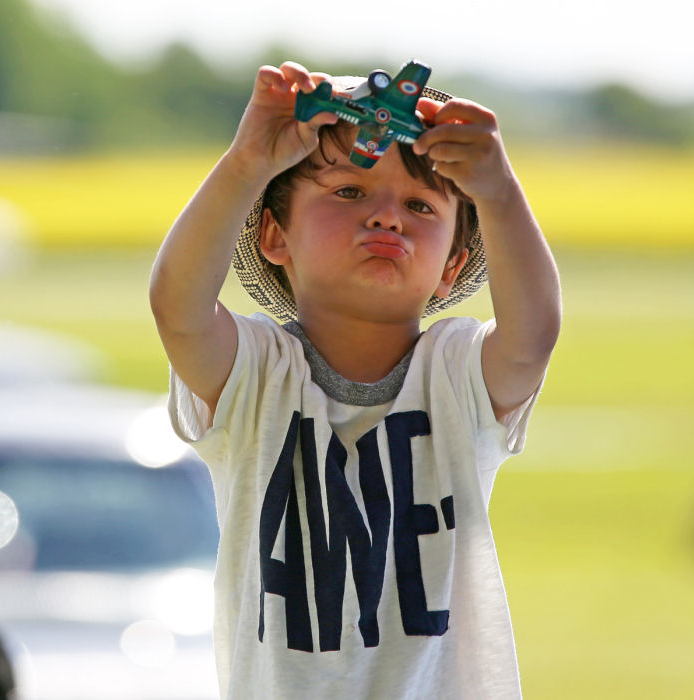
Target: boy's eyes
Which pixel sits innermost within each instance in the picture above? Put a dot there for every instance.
(349, 192)
(417, 205)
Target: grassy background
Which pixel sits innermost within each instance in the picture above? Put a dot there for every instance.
(595, 521)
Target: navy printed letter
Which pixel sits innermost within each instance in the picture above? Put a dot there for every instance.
(409, 521)
(328, 554)
(287, 579)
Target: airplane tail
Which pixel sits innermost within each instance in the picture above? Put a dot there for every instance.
(368, 147)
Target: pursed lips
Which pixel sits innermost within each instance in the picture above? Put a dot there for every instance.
(385, 244)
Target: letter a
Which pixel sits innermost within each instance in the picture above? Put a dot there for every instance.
(288, 578)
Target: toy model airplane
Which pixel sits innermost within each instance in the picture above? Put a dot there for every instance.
(382, 107)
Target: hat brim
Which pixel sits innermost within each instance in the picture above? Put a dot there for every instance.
(260, 280)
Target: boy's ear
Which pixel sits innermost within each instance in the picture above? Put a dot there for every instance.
(272, 241)
(450, 273)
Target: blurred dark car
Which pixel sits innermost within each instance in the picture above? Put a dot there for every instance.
(108, 538)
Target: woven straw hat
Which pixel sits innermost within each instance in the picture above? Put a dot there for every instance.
(271, 292)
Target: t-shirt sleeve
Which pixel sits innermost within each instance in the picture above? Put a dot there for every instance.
(507, 436)
(230, 431)
(515, 423)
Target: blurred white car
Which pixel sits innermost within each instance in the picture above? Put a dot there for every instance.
(108, 539)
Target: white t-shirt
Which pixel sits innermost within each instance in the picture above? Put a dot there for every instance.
(356, 559)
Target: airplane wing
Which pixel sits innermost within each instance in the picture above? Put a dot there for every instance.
(309, 104)
(404, 89)
(369, 147)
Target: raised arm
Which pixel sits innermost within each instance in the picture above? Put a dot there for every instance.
(198, 333)
(466, 147)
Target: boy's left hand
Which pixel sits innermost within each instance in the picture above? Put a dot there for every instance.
(466, 147)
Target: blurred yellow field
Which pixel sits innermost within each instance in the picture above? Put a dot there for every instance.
(607, 197)
(102, 200)
(611, 197)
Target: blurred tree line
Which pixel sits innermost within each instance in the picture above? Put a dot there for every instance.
(57, 93)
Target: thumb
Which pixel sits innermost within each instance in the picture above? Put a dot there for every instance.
(322, 119)
(308, 131)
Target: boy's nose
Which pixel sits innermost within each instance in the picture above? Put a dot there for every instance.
(385, 215)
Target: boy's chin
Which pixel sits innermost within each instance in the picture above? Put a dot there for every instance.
(377, 307)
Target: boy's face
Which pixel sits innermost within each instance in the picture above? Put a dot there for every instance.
(374, 243)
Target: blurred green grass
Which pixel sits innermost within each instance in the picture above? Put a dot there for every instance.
(627, 336)
(599, 567)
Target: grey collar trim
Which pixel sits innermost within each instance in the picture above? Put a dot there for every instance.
(343, 390)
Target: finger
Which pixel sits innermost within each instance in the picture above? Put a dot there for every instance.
(308, 131)
(297, 75)
(322, 119)
(457, 132)
(428, 109)
(464, 111)
(456, 110)
(448, 170)
(450, 152)
(320, 77)
(449, 133)
(269, 77)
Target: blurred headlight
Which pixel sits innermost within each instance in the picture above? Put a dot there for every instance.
(9, 519)
(151, 441)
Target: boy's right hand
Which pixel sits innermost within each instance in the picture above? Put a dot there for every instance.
(199, 334)
(269, 139)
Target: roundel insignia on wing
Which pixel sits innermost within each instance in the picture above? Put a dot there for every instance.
(408, 87)
(382, 115)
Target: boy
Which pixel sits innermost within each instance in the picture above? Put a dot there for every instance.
(353, 457)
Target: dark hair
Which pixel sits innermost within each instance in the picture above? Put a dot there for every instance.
(279, 191)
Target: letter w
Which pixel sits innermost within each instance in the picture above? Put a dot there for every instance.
(328, 551)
